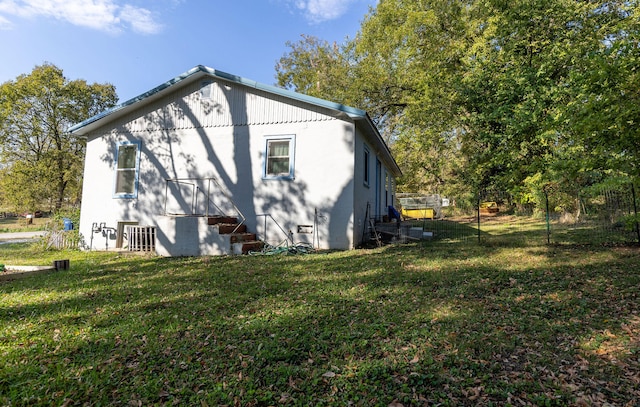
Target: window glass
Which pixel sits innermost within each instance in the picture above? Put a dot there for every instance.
(206, 90)
(366, 166)
(125, 181)
(127, 156)
(127, 170)
(386, 189)
(279, 157)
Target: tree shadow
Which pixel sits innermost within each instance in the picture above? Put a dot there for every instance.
(229, 150)
(207, 320)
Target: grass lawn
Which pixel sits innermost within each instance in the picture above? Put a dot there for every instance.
(424, 324)
(19, 224)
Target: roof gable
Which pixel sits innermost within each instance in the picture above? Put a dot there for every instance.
(201, 72)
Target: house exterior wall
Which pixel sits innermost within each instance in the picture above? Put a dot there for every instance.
(373, 196)
(185, 136)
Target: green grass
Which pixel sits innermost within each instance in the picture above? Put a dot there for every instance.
(19, 224)
(427, 324)
(503, 229)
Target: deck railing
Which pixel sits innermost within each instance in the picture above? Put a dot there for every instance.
(195, 197)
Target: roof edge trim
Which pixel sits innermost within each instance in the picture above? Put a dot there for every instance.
(350, 111)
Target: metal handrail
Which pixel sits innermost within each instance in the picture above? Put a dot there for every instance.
(268, 215)
(194, 202)
(180, 181)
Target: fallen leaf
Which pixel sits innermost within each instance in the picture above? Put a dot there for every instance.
(284, 397)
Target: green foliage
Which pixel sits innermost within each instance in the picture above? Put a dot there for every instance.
(490, 94)
(41, 163)
(315, 67)
(72, 214)
(25, 185)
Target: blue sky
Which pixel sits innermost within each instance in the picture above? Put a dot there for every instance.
(139, 44)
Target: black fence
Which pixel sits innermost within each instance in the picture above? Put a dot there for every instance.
(604, 215)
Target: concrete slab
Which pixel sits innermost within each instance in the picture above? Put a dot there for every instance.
(20, 237)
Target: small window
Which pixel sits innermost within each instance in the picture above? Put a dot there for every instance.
(386, 189)
(126, 171)
(206, 90)
(366, 166)
(279, 157)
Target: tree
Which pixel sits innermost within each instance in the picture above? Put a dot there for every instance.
(477, 94)
(42, 162)
(316, 68)
(399, 68)
(604, 107)
(409, 57)
(550, 94)
(513, 77)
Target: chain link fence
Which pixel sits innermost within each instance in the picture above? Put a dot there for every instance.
(558, 214)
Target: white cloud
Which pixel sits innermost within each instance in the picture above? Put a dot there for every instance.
(5, 24)
(318, 11)
(104, 15)
(140, 19)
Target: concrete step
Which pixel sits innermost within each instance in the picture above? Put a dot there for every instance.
(228, 228)
(243, 237)
(241, 241)
(246, 247)
(215, 220)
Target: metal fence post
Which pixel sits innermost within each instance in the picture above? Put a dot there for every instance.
(635, 210)
(478, 215)
(546, 199)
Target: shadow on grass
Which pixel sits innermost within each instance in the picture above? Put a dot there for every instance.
(512, 230)
(419, 324)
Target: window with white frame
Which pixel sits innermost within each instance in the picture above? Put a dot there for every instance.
(279, 157)
(127, 169)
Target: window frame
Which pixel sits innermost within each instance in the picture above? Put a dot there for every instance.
(116, 170)
(387, 183)
(291, 138)
(366, 176)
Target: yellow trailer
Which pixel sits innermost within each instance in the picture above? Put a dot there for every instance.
(416, 206)
(419, 213)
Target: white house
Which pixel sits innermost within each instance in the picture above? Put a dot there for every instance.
(207, 154)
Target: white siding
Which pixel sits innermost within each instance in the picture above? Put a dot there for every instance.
(373, 192)
(229, 105)
(198, 145)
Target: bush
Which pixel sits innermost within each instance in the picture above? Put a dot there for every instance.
(56, 237)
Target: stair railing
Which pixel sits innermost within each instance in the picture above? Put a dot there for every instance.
(266, 216)
(195, 189)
